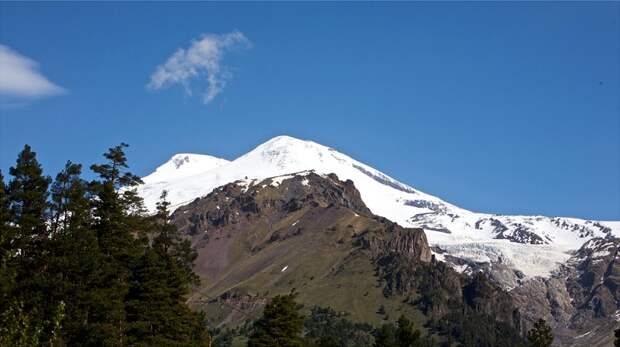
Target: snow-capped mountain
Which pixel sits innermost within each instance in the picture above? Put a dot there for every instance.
(533, 245)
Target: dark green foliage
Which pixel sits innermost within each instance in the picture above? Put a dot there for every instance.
(407, 335)
(27, 193)
(401, 335)
(224, 338)
(328, 341)
(7, 251)
(77, 267)
(27, 239)
(385, 336)
(435, 283)
(161, 277)
(116, 224)
(17, 328)
(5, 212)
(281, 324)
(70, 205)
(324, 325)
(156, 313)
(472, 329)
(230, 337)
(540, 335)
(169, 241)
(75, 260)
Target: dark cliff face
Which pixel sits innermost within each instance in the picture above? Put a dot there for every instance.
(594, 283)
(581, 300)
(275, 198)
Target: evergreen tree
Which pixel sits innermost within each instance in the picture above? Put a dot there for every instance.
(5, 216)
(540, 335)
(117, 206)
(385, 336)
(17, 328)
(28, 241)
(27, 193)
(7, 251)
(169, 241)
(69, 201)
(329, 341)
(161, 280)
(280, 325)
(406, 334)
(156, 311)
(76, 267)
(118, 222)
(324, 322)
(75, 261)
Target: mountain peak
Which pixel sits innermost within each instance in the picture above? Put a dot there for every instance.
(532, 244)
(288, 144)
(284, 139)
(183, 165)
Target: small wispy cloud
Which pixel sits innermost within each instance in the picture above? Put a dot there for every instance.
(20, 78)
(201, 61)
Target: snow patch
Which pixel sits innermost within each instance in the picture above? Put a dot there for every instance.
(583, 335)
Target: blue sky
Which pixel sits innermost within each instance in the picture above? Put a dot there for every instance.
(496, 107)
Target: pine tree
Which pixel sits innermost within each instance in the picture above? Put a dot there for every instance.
(385, 336)
(169, 241)
(77, 268)
(167, 236)
(156, 309)
(540, 335)
(117, 205)
(5, 212)
(406, 334)
(17, 328)
(280, 325)
(328, 341)
(69, 203)
(75, 261)
(118, 222)
(7, 250)
(29, 239)
(28, 195)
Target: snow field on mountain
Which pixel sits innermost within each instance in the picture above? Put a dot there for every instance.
(460, 232)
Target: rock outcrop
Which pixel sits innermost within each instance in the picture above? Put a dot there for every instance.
(580, 298)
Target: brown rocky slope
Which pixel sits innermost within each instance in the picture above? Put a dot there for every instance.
(313, 234)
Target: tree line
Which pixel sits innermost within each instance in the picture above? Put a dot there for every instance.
(81, 264)
(283, 324)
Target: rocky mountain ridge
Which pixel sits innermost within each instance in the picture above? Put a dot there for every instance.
(313, 234)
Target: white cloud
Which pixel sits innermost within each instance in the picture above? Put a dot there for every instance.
(20, 78)
(201, 61)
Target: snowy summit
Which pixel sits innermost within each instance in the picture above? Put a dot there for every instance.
(534, 245)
